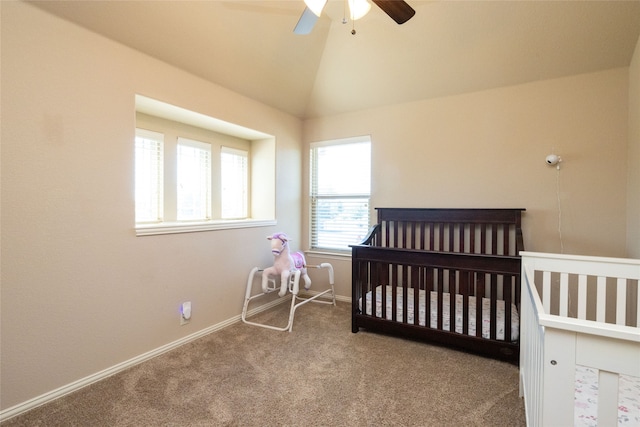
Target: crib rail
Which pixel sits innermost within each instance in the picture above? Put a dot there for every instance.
(475, 231)
(576, 311)
(446, 277)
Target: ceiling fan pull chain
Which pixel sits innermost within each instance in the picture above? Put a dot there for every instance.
(353, 23)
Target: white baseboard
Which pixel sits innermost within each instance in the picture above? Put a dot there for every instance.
(77, 385)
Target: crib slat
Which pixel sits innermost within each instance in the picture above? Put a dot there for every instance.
(394, 293)
(494, 239)
(505, 239)
(464, 291)
(395, 234)
(415, 284)
(564, 294)
(369, 271)
(439, 299)
(601, 298)
(472, 238)
(403, 276)
(405, 298)
(493, 305)
(546, 291)
(621, 304)
(431, 238)
(387, 230)
(506, 296)
(404, 231)
(453, 230)
(582, 296)
(383, 280)
(361, 283)
(479, 294)
(607, 398)
(428, 287)
(415, 230)
(452, 300)
(483, 238)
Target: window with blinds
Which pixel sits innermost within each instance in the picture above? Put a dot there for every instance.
(149, 191)
(234, 179)
(197, 173)
(194, 180)
(340, 193)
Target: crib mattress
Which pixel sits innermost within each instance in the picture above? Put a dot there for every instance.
(586, 399)
(486, 306)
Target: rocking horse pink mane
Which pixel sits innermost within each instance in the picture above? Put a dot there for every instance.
(284, 264)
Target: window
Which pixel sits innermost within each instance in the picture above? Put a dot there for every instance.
(197, 173)
(149, 180)
(234, 172)
(340, 192)
(194, 180)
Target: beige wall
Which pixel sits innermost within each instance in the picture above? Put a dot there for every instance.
(81, 293)
(488, 149)
(633, 189)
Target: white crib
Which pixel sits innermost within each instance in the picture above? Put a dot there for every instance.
(579, 313)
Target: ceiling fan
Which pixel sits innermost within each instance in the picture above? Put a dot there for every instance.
(398, 10)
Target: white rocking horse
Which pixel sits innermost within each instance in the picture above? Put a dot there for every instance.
(284, 264)
(290, 267)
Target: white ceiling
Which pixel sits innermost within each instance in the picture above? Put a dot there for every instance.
(448, 47)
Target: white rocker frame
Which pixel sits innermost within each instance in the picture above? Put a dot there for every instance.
(294, 288)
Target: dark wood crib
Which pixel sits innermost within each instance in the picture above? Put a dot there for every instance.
(459, 267)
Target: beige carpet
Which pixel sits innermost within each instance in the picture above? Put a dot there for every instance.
(321, 374)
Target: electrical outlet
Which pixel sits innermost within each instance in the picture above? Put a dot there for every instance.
(185, 313)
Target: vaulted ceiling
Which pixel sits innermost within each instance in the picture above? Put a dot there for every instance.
(448, 47)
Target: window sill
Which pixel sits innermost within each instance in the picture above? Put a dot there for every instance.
(328, 254)
(193, 227)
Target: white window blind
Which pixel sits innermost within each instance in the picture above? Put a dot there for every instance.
(193, 180)
(340, 193)
(234, 171)
(149, 187)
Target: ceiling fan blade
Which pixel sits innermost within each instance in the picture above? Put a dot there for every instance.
(398, 10)
(306, 22)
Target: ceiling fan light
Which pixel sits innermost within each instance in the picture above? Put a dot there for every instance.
(315, 6)
(359, 8)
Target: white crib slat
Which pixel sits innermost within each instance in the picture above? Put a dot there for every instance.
(564, 295)
(582, 297)
(621, 304)
(607, 399)
(601, 298)
(546, 291)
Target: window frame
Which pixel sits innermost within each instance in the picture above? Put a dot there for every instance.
(158, 138)
(205, 169)
(314, 196)
(245, 178)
